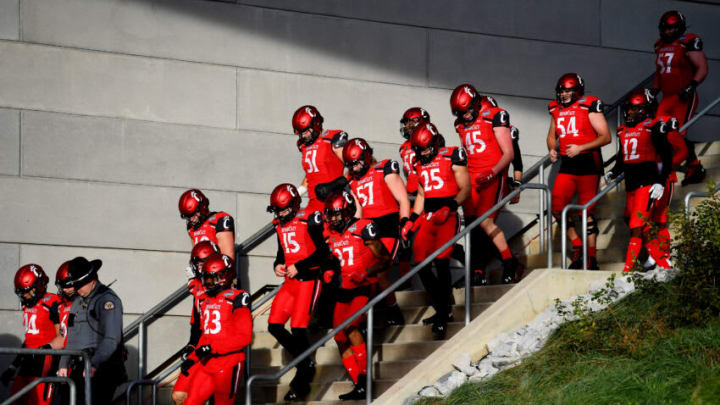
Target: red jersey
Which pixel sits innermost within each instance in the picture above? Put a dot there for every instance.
(640, 155)
(216, 222)
(40, 320)
(350, 248)
(437, 178)
(373, 192)
(572, 127)
(226, 322)
(673, 68)
(301, 243)
(478, 138)
(407, 154)
(320, 162)
(64, 312)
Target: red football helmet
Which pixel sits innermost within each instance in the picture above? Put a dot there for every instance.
(425, 136)
(465, 99)
(307, 117)
(672, 26)
(638, 105)
(30, 279)
(569, 82)
(487, 102)
(191, 202)
(284, 196)
(200, 253)
(217, 273)
(339, 209)
(63, 280)
(357, 151)
(410, 119)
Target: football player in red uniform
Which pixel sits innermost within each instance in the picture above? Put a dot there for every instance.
(41, 318)
(444, 184)
(680, 66)
(217, 227)
(356, 243)
(226, 331)
(578, 129)
(321, 152)
(384, 200)
(302, 252)
(484, 132)
(65, 293)
(198, 256)
(644, 142)
(410, 119)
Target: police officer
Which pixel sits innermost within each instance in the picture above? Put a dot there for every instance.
(94, 326)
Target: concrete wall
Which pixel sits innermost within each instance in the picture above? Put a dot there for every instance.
(109, 109)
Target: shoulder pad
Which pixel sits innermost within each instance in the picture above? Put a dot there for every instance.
(390, 166)
(552, 105)
(338, 138)
(459, 156)
(369, 230)
(692, 42)
(241, 299)
(315, 219)
(500, 118)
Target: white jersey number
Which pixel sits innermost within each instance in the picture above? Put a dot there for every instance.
(211, 326)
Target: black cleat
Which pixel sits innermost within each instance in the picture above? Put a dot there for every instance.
(593, 264)
(695, 174)
(458, 253)
(431, 319)
(394, 316)
(576, 263)
(512, 271)
(478, 278)
(300, 384)
(358, 393)
(439, 330)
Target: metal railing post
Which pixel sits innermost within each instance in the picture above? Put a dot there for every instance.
(584, 237)
(41, 380)
(548, 218)
(468, 287)
(563, 238)
(141, 359)
(541, 210)
(369, 346)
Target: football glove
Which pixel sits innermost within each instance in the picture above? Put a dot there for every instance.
(203, 351)
(656, 191)
(687, 93)
(484, 176)
(440, 216)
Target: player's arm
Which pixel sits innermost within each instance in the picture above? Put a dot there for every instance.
(419, 204)
(279, 263)
(504, 140)
(242, 322)
(677, 142)
(110, 328)
(321, 252)
(600, 126)
(225, 234)
(381, 254)
(659, 138)
(339, 141)
(552, 141)
(699, 62)
(58, 342)
(517, 161)
(397, 187)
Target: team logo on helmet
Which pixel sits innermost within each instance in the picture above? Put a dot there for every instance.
(469, 91)
(195, 196)
(310, 112)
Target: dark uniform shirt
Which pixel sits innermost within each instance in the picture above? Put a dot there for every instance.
(95, 324)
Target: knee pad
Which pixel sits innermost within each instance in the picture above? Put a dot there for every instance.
(592, 227)
(276, 329)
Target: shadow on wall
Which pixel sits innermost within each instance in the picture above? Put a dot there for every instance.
(7, 340)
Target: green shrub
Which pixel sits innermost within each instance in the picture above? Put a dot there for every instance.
(696, 252)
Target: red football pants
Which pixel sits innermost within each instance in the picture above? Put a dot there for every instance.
(219, 378)
(343, 311)
(295, 300)
(484, 197)
(41, 394)
(674, 106)
(430, 236)
(566, 185)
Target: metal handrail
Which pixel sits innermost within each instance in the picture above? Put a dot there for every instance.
(602, 193)
(584, 208)
(59, 352)
(697, 194)
(46, 379)
(368, 308)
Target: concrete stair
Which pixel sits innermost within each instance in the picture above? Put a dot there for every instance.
(397, 349)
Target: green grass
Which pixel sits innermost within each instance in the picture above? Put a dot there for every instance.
(638, 351)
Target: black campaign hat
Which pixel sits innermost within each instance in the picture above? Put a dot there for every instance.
(81, 271)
